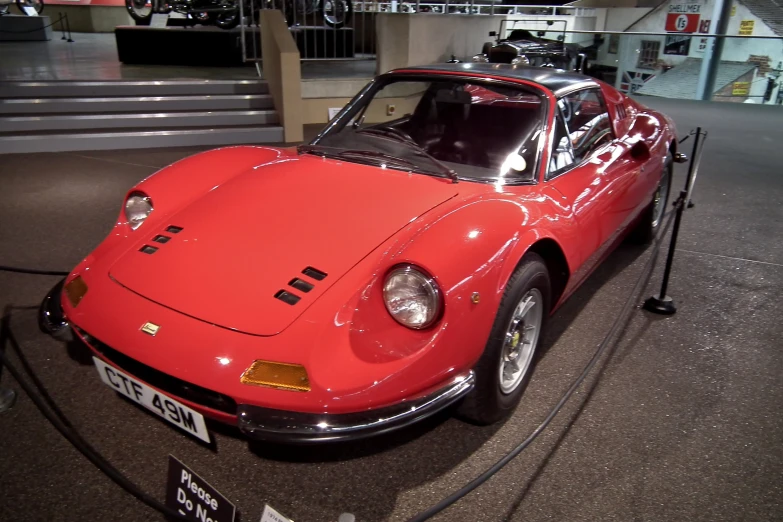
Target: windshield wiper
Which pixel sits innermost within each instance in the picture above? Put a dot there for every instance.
(315, 149)
(445, 169)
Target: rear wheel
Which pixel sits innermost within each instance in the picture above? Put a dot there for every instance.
(336, 13)
(38, 5)
(504, 369)
(652, 217)
(140, 10)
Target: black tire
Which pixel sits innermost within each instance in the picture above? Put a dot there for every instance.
(343, 14)
(137, 10)
(487, 403)
(486, 48)
(38, 5)
(647, 226)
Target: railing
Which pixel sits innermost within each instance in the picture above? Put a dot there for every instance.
(321, 35)
(745, 69)
(321, 29)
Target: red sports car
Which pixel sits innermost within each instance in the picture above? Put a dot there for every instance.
(405, 260)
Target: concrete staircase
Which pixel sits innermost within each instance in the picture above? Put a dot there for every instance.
(56, 116)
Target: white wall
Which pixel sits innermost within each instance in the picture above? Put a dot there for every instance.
(561, 22)
(620, 18)
(425, 38)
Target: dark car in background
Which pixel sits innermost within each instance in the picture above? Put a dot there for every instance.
(522, 47)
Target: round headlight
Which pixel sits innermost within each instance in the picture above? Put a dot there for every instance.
(482, 58)
(137, 208)
(520, 60)
(412, 297)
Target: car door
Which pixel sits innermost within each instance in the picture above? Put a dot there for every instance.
(587, 166)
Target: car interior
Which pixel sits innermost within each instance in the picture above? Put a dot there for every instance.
(476, 125)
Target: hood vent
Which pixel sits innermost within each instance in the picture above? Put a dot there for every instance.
(173, 230)
(148, 249)
(287, 297)
(300, 284)
(314, 273)
(161, 239)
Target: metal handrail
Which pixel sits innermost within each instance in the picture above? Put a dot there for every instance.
(695, 35)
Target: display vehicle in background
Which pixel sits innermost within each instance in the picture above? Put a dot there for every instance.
(406, 260)
(27, 7)
(518, 46)
(226, 13)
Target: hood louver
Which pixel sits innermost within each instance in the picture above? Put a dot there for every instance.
(301, 285)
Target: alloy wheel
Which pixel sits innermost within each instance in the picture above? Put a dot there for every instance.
(520, 340)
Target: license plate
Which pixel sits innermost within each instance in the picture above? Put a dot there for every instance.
(162, 405)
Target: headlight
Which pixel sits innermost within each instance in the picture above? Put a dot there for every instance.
(137, 208)
(481, 58)
(520, 60)
(412, 297)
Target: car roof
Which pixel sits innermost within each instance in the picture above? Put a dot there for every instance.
(558, 81)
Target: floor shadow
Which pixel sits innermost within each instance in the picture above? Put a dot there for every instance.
(79, 352)
(625, 255)
(585, 399)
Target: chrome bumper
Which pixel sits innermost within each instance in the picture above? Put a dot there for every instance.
(51, 318)
(304, 428)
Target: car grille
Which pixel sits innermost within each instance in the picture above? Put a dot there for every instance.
(167, 383)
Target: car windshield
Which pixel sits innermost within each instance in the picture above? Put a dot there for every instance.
(452, 128)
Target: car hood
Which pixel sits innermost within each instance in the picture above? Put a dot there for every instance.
(248, 238)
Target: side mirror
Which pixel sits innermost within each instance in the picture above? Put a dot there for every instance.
(640, 151)
(493, 33)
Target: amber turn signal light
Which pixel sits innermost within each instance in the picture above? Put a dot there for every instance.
(284, 376)
(75, 290)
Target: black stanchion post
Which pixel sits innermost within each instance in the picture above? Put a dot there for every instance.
(693, 166)
(61, 20)
(68, 26)
(662, 303)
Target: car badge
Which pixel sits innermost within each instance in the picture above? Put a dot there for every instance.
(150, 328)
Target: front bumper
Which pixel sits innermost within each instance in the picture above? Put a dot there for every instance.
(261, 423)
(303, 428)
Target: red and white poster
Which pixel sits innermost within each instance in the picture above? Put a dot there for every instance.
(683, 18)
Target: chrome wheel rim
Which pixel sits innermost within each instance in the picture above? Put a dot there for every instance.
(519, 343)
(659, 200)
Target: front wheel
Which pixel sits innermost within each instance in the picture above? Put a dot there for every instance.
(38, 5)
(504, 369)
(336, 13)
